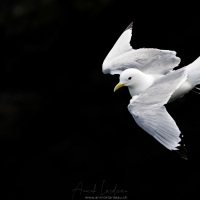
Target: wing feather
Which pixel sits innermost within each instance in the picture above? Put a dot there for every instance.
(121, 46)
(150, 114)
(148, 60)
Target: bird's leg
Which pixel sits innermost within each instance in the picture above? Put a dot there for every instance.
(196, 91)
(197, 88)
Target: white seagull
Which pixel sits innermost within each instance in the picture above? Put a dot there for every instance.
(148, 73)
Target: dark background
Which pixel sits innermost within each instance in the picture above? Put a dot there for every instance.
(60, 122)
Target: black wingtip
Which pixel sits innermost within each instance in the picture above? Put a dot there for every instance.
(130, 26)
(182, 151)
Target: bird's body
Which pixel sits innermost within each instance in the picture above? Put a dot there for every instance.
(144, 81)
(152, 82)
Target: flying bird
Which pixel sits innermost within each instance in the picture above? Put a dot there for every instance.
(152, 82)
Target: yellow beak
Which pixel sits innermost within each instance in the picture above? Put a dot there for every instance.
(119, 85)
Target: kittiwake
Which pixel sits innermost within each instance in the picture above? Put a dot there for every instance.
(152, 82)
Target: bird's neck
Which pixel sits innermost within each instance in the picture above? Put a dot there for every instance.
(144, 81)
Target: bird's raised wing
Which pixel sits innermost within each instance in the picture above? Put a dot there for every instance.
(150, 114)
(122, 45)
(149, 60)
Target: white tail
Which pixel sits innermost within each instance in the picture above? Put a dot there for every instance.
(193, 70)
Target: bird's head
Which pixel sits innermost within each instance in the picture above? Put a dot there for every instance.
(130, 78)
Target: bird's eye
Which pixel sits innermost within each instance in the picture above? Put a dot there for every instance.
(129, 78)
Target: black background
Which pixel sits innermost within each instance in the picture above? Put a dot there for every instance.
(60, 122)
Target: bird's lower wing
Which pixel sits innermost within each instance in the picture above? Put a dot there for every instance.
(159, 124)
(150, 114)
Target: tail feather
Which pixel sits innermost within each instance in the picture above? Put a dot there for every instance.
(193, 70)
